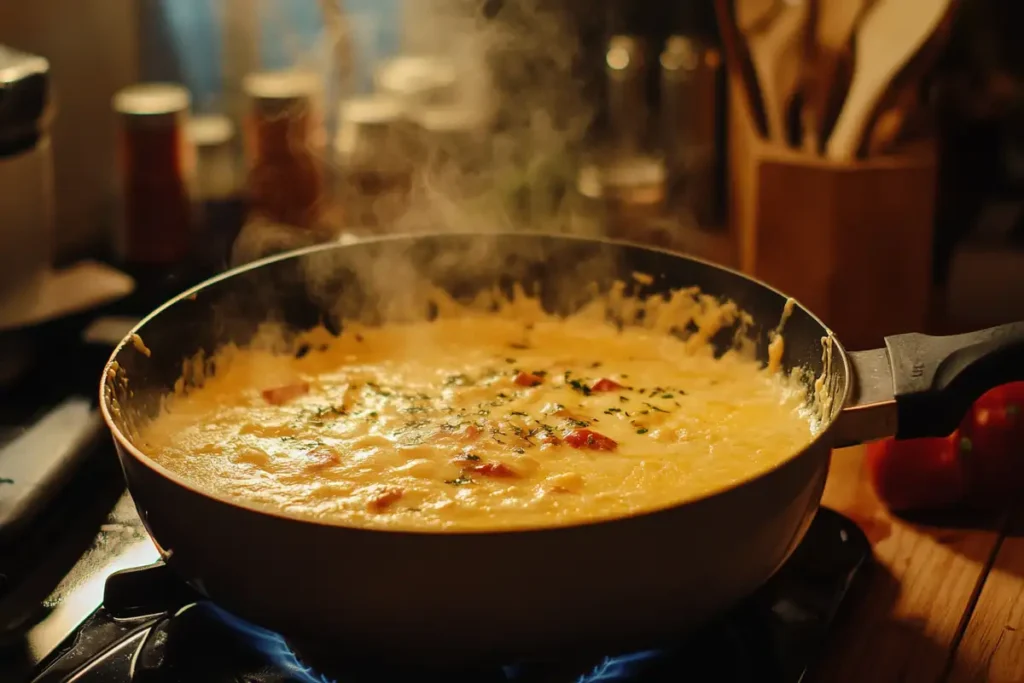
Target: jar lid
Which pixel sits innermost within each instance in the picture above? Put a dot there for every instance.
(210, 130)
(151, 103)
(418, 79)
(280, 91)
(371, 110)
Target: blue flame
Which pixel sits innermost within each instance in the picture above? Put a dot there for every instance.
(275, 649)
(272, 646)
(623, 667)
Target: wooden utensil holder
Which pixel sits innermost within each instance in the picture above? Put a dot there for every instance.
(852, 242)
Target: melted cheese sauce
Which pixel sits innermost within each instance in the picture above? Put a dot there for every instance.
(480, 423)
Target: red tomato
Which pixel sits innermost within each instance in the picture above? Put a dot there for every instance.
(918, 474)
(586, 438)
(528, 379)
(994, 437)
(494, 469)
(281, 395)
(605, 384)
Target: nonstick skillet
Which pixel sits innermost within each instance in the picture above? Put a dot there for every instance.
(462, 597)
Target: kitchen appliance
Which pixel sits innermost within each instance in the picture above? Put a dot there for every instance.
(561, 587)
(151, 628)
(26, 176)
(32, 292)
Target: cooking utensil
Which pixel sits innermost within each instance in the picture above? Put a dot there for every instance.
(828, 65)
(775, 45)
(738, 60)
(464, 596)
(903, 100)
(889, 36)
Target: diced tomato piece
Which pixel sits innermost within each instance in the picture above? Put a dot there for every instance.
(528, 379)
(281, 395)
(605, 384)
(586, 438)
(918, 474)
(494, 469)
(551, 440)
(385, 497)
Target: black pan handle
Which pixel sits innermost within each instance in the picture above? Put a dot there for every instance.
(936, 379)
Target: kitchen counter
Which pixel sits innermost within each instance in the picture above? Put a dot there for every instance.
(942, 602)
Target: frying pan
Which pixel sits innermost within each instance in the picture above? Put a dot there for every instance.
(446, 597)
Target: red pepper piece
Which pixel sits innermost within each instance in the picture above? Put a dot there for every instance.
(494, 469)
(586, 438)
(280, 395)
(605, 384)
(528, 379)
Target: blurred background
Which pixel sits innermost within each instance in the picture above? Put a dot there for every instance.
(866, 156)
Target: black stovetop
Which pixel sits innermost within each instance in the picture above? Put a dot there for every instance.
(149, 631)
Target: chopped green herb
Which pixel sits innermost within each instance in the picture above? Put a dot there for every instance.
(541, 373)
(623, 399)
(456, 380)
(656, 408)
(518, 413)
(518, 346)
(510, 361)
(472, 457)
(642, 430)
(579, 386)
(6, 480)
(460, 481)
(519, 450)
(577, 423)
(372, 413)
(667, 396)
(611, 411)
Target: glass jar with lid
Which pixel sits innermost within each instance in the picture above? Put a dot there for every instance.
(285, 180)
(156, 164)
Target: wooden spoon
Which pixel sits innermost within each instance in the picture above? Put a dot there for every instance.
(775, 46)
(737, 60)
(828, 67)
(893, 31)
(902, 104)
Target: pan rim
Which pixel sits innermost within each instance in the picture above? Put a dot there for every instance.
(128, 447)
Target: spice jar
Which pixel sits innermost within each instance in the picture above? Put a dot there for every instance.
(285, 178)
(155, 163)
(218, 188)
(376, 169)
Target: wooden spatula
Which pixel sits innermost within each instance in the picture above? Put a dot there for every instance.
(902, 103)
(775, 44)
(737, 60)
(829, 66)
(892, 32)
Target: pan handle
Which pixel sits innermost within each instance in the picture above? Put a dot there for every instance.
(920, 385)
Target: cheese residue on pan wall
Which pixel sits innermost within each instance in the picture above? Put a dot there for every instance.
(494, 415)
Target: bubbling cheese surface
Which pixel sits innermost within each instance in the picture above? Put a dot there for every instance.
(479, 422)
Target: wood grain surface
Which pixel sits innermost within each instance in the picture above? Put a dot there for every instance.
(992, 648)
(905, 619)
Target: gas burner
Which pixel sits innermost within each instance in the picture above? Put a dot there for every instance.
(153, 629)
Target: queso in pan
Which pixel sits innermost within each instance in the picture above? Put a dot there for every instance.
(505, 419)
